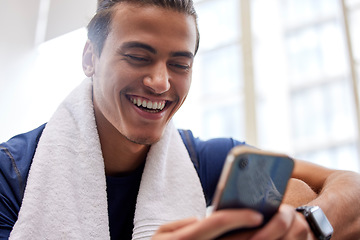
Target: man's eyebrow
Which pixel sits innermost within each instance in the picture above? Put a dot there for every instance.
(128, 45)
(183, 54)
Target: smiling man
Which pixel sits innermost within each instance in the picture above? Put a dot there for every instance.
(141, 78)
(110, 163)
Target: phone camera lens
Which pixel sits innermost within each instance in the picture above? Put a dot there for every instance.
(243, 163)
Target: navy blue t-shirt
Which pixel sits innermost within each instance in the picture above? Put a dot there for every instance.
(122, 192)
(16, 157)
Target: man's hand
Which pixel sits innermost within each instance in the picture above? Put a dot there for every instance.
(286, 224)
(298, 193)
(210, 227)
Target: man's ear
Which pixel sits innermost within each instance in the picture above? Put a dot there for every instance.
(88, 59)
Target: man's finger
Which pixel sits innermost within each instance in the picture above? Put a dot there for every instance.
(170, 227)
(221, 222)
(279, 225)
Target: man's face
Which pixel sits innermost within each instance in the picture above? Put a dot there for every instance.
(143, 74)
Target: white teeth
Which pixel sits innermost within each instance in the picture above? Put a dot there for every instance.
(155, 105)
(148, 104)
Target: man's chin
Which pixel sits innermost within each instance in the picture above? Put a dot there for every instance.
(144, 140)
(144, 135)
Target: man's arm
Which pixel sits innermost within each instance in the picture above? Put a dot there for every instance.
(336, 192)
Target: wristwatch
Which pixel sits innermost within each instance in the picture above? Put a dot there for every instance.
(318, 222)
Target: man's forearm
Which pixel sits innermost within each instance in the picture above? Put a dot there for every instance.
(339, 199)
(298, 193)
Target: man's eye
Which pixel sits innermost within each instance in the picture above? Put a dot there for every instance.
(136, 58)
(180, 66)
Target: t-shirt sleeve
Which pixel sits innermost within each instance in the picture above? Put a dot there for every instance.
(9, 205)
(15, 160)
(211, 157)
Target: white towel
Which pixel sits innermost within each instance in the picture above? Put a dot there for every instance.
(171, 190)
(65, 196)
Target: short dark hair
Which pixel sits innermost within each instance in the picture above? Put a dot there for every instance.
(99, 25)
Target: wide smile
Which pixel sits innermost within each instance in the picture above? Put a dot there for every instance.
(150, 106)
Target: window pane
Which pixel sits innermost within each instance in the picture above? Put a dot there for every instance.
(219, 22)
(333, 51)
(221, 70)
(224, 121)
(323, 113)
(316, 52)
(308, 115)
(300, 11)
(352, 3)
(304, 54)
(343, 157)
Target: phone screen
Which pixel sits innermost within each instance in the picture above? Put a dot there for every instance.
(258, 182)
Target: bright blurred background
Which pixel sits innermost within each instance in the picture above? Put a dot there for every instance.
(282, 75)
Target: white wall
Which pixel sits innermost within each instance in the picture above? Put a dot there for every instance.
(21, 108)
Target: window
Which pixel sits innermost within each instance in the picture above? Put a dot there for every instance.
(305, 103)
(215, 101)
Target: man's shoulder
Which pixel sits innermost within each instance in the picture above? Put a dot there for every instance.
(16, 156)
(22, 147)
(215, 148)
(208, 157)
(15, 159)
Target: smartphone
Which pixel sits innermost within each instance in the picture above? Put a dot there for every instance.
(252, 178)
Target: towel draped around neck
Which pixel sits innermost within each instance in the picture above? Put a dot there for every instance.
(65, 195)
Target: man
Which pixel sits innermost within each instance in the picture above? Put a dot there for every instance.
(110, 157)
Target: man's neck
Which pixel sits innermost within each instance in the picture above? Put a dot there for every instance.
(121, 156)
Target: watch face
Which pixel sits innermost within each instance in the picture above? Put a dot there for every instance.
(321, 224)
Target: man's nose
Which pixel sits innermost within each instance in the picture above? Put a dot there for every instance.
(158, 79)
